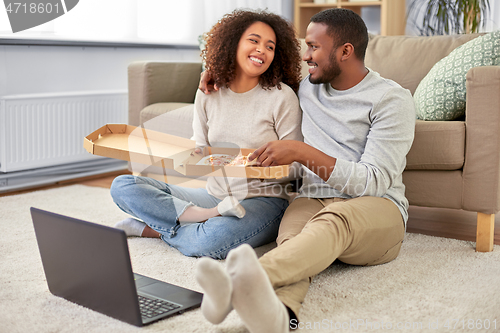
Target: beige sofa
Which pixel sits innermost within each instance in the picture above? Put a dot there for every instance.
(452, 164)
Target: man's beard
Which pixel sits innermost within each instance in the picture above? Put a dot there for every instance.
(329, 73)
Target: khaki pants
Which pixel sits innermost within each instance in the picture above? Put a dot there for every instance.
(315, 232)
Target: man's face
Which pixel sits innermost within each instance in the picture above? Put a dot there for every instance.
(321, 54)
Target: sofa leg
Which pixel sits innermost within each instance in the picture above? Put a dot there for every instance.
(485, 232)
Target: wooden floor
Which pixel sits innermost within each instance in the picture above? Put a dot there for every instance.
(103, 180)
(450, 223)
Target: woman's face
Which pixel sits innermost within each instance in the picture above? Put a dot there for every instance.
(255, 51)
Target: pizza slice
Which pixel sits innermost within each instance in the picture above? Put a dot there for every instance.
(229, 160)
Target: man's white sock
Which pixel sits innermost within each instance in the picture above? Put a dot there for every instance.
(217, 288)
(131, 226)
(253, 295)
(231, 207)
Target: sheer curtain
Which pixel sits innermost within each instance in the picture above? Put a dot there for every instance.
(493, 23)
(142, 21)
(183, 21)
(156, 21)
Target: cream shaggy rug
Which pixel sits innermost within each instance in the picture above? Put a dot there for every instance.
(435, 281)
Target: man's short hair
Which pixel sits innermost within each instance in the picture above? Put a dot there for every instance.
(345, 26)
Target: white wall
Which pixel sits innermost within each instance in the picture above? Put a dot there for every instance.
(44, 69)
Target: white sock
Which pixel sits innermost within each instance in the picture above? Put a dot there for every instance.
(231, 207)
(253, 295)
(217, 288)
(131, 226)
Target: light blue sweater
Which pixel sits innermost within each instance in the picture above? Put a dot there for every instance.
(368, 128)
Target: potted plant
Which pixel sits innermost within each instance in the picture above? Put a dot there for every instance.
(444, 17)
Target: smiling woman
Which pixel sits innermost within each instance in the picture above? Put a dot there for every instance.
(254, 57)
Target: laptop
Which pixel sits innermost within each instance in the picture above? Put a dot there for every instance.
(89, 264)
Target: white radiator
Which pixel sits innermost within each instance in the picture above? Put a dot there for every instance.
(38, 131)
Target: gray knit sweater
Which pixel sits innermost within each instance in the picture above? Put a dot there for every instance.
(246, 120)
(368, 128)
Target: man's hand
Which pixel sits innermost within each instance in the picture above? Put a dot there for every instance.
(284, 152)
(279, 152)
(206, 83)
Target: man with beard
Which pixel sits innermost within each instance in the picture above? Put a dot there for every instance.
(358, 128)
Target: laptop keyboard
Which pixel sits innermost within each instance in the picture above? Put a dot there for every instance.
(151, 307)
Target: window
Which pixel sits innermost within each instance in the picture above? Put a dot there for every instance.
(140, 21)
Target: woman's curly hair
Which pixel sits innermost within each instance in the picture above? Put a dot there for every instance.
(222, 41)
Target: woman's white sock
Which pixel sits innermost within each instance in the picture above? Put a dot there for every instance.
(131, 226)
(231, 207)
(253, 295)
(217, 288)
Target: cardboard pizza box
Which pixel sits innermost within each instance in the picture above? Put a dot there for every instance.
(144, 146)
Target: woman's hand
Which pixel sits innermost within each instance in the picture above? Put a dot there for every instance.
(207, 84)
(197, 151)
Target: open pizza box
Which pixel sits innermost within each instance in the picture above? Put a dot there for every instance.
(140, 145)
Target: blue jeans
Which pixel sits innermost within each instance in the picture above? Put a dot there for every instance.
(159, 205)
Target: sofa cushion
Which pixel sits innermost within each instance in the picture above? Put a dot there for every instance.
(171, 118)
(438, 145)
(441, 93)
(407, 59)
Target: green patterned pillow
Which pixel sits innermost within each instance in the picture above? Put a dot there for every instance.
(441, 93)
